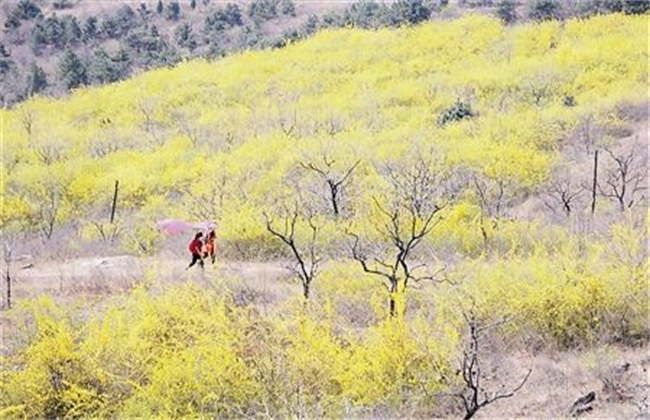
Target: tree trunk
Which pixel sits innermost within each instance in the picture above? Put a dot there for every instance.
(305, 290)
(484, 234)
(594, 183)
(8, 278)
(333, 198)
(392, 302)
(117, 185)
(469, 414)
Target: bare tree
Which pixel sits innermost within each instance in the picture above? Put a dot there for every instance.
(208, 204)
(150, 124)
(626, 178)
(495, 195)
(562, 193)
(588, 131)
(185, 123)
(418, 195)
(288, 121)
(306, 256)
(11, 233)
(7, 255)
(334, 180)
(474, 396)
(107, 231)
(332, 125)
(50, 197)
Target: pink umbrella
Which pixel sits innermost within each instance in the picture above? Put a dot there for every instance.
(175, 227)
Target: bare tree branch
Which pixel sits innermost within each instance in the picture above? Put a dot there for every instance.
(418, 194)
(562, 193)
(474, 396)
(307, 259)
(333, 180)
(626, 178)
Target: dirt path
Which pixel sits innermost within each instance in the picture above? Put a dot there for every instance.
(106, 275)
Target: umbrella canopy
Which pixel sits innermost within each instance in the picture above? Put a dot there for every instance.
(176, 227)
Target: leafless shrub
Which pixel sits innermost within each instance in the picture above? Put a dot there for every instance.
(474, 394)
(625, 180)
(562, 193)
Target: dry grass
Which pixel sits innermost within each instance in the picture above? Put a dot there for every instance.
(558, 379)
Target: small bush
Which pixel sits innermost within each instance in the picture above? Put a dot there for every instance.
(62, 4)
(366, 14)
(507, 11)
(569, 101)
(636, 7)
(263, 9)
(409, 12)
(222, 19)
(543, 10)
(174, 11)
(287, 8)
(26, 10)
(460, 110)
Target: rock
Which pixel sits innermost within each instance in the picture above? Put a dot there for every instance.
(583, 404)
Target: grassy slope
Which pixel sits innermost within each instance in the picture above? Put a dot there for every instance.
(227, 123)
(176, 133)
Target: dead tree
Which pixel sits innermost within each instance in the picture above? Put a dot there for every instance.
(49, 197)
(473, 395)
(594, 184)
(150, 124)
(7, 257)
(417, 197)
(306, 257)
(562, 193)
(11, 234)
(333, 179)
(588, 131)
(206, 200)
(495, 195)
(626, 178)
(288, 122)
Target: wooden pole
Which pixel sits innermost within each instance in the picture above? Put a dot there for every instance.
(595, 183)
(8, 290)
(117, 185)
(7, 258)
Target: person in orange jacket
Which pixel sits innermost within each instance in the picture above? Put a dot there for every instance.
(195, 248)
(209, 248)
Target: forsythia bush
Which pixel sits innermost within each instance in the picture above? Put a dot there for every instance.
(579, 292)
(190, 352)
(224, 140)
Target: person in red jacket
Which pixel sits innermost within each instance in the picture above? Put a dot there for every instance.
(196, 250)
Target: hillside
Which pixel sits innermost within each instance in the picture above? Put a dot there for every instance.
(222, 141)
(50, 47)
(432, 188)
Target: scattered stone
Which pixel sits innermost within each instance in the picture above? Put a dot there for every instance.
(583, 404)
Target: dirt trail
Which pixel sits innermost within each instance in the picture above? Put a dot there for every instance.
(106, 275)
